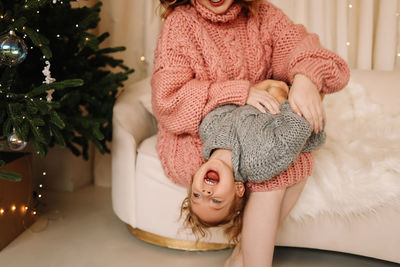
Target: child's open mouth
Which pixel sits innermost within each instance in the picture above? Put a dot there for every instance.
(211, 178)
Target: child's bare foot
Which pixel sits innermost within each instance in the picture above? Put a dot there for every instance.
(236, 258)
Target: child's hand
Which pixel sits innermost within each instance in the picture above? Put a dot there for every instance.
(305, 100)
(260, 98)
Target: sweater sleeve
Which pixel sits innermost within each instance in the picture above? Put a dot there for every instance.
(179, 98)
(294, 51)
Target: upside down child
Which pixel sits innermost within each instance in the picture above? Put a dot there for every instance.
(242, 144)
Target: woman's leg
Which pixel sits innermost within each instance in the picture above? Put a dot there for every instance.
(290, 197)
(260, 223)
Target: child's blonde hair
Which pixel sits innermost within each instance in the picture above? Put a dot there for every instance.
(169, 5)
(232, 223)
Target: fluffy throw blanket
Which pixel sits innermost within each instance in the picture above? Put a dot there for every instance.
(358, 169)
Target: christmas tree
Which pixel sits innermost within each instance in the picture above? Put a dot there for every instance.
(57, 86)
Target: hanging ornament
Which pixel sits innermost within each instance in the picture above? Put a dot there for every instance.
(49, 96)
(47, 74)
(48, 79)
(12, 49)
(14, 142)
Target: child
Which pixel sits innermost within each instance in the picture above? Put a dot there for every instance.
(242, 144)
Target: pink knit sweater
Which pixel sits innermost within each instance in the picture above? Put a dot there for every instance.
(204, 60)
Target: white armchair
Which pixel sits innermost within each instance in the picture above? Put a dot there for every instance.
(149, 203)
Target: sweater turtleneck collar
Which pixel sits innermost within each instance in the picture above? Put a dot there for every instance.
(228, 16)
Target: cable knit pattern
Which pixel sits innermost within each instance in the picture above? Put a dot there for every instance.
(204, 60)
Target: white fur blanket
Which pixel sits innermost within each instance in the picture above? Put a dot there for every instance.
(358, 169)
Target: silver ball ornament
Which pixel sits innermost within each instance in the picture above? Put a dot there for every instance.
(12, 49)
(15, 143)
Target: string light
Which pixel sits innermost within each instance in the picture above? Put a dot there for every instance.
(44, 174)
(13, 208)
(350, 5)
(348, 43)
(40, 185)
(142, 58)
(2, 211)
(24, 208)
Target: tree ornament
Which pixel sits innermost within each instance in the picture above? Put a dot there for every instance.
(14, 142)
(48, 79)
(49, 96)
(12, 49)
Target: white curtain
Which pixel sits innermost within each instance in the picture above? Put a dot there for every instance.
(365, 33)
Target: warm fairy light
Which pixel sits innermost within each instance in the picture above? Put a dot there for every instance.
(37, 30)
(12, 20)
(40, 185)
(77, 25)
(350, 5)
(58, 36)
(348, 43)
(39, 195)
(34, 212)
(44, 174)
(398, 54)
(24, 208)
(87, 39)
(2, 211)
(13, 208)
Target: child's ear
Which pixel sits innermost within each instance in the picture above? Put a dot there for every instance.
(240, 189)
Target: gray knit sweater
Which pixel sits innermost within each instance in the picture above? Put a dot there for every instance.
(263, 145)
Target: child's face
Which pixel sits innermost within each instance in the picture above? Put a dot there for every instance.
(213, 191)
(216, 6)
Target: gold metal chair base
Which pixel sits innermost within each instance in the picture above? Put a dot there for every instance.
(175, 243)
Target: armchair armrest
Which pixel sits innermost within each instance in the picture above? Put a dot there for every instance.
(132, 123)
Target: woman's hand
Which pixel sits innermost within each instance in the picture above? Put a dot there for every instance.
(260, 98)
(305, 100)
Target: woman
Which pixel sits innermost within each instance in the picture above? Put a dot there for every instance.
(216, 52)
